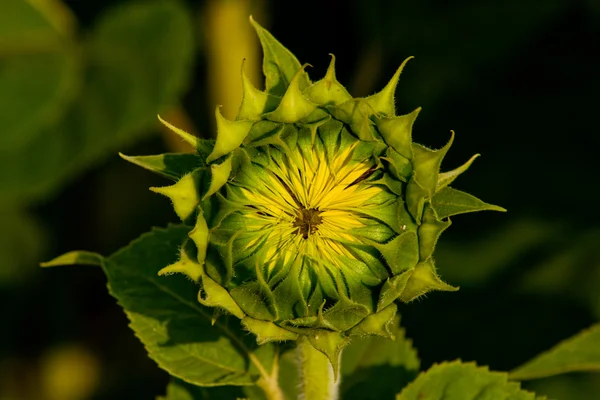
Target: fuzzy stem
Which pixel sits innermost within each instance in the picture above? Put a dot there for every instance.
(316, 373)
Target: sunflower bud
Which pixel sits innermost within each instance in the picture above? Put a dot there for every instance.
(313, 212)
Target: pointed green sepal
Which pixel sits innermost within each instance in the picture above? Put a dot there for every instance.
(383, 102)
(199, 236)
(188, 137)
(450, 201)
(80, 257)
(219, 174)
(395, 186)
(288, 294)
(266, 331)
(392, 289)
(186, 264)
(446, 178)
(378, 324)
(252, 300)
(254, 102)
(429, 232)
(294, 106)
(427, 164)
(169, 165)
(183, 195)
(279, 64)
(331, 344)
(422, 280)
(230, 135)
(214, 295)
(399, 167)
(345, 314)
(423, 182)
(400, 253)
(328, 90)
(397, 132)
(356, 113)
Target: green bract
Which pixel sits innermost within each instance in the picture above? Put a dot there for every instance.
(313, 212)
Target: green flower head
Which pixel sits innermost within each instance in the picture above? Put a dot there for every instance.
(313, 212)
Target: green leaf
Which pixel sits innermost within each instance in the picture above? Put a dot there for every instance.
(180, 390)
(170, 165)
(377, 368)
(176, 330)
(464, 381)
(279, 64)
(138, 61)
(449, 201)
(578, 353)
(38, 66)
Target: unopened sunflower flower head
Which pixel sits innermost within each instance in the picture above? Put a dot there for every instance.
(313, 213)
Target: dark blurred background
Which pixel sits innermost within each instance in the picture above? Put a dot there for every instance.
(81, 80)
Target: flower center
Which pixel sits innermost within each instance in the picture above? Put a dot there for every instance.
(307, 221)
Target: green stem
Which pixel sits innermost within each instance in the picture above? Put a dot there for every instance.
(269, 383)
(316, 373)
(271, 389)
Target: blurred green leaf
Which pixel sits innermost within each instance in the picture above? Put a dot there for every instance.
(21, 244)
(289, 374)
(442, 38)
(571, 269)
(567, 387)
(39, 69)
(578, 353)
(464, 381)
(475, 262)
(138, 61)
(378, 368)
(75, 258)
(177, 330)
(180, 390)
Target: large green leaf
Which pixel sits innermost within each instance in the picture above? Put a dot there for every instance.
(463, 381)
(377, 368)
(38, 68)
(175, 329)
(138, 61)
(578, 353)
